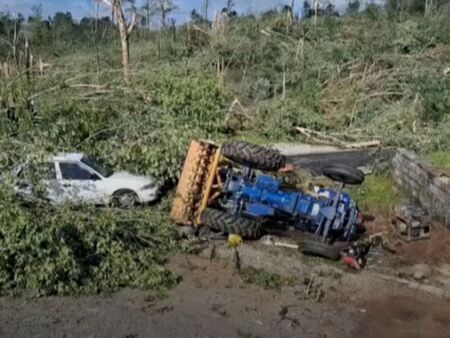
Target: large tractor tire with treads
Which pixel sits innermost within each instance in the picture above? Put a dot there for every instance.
(316, 247)
(344, 174)
(254, 156)
(222, 221)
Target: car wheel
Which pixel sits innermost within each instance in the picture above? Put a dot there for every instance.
(125, 199)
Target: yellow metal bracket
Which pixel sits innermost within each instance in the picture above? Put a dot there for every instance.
(212, 184)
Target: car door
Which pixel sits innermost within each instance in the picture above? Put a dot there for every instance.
(36, 180)
(79, 184)
(47, 171)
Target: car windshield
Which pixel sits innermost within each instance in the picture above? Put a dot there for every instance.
(98, 165)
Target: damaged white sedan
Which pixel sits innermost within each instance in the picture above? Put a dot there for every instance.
(79, 179)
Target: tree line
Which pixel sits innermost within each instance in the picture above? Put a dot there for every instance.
(62, 33)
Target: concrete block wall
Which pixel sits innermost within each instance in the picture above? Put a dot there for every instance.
(423, 183)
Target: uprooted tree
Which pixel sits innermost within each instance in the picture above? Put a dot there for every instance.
(125, 32)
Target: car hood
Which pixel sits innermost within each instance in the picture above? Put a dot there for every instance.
(125, 175)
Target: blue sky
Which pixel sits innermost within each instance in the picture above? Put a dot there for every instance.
(81, 8)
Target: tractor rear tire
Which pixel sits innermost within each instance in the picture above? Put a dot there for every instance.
(226, 223)
(344, 174)
(316, 247)
(254, 156)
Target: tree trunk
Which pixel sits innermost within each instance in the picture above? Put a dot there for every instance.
(316, 7)
(292, 12)
(205, 9)
(15, 43)
(163, 17)
(428, 7)
(123, 39)
(28, 59)
(125, 32)
(148, 16)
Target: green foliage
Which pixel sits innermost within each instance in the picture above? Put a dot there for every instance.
(267, 280)
(377, 195)
(262, 278)
(193, 99)
(278, 119)
(433, 92)
(359, 77)
(440, 159)
(67, 251)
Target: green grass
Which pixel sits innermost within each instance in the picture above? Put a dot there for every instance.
(253, 138)
(266, 280)
(377, 195)
(440, 159)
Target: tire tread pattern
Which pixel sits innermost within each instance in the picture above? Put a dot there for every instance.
(254, 156)
(344, 174)
(226, 223)
(318, 248)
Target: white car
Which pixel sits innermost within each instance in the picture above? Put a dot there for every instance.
(77, 178)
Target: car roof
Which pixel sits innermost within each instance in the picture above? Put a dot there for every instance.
(68, 157)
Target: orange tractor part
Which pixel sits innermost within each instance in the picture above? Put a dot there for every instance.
(199, 183)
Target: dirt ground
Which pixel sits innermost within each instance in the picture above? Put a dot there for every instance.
(212, 301)
(433, 251)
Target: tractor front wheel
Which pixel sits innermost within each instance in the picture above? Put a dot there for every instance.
(254, 156)
(226, 223)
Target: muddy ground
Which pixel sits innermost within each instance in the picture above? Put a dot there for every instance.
(213, 301)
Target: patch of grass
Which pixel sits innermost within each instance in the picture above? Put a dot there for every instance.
(266, 280)
(253, 138)
(261, 278)
(440, 159)
(377, 195)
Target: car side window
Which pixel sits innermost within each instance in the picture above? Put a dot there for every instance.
(48, 171)
(44, 171)
(72, 171)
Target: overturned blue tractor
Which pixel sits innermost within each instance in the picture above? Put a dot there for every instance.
(228, 189)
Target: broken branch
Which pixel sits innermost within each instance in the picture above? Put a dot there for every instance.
(132, 24)
(331, 140)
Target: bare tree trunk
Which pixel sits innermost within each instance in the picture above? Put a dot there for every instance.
(205, 9)
(163, 17)
(125, 32)
(316, 7)
(148, 15)
(124, 39)
(15, 43)
(28, 59)
(41, 67)
(428, 7)
(292, 12)
(230, 5)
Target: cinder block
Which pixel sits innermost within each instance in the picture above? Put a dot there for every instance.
(406, 153)
(421, 181)
(443, 183)
(439, 194)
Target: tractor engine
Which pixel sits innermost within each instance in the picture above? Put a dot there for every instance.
(326, 213)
